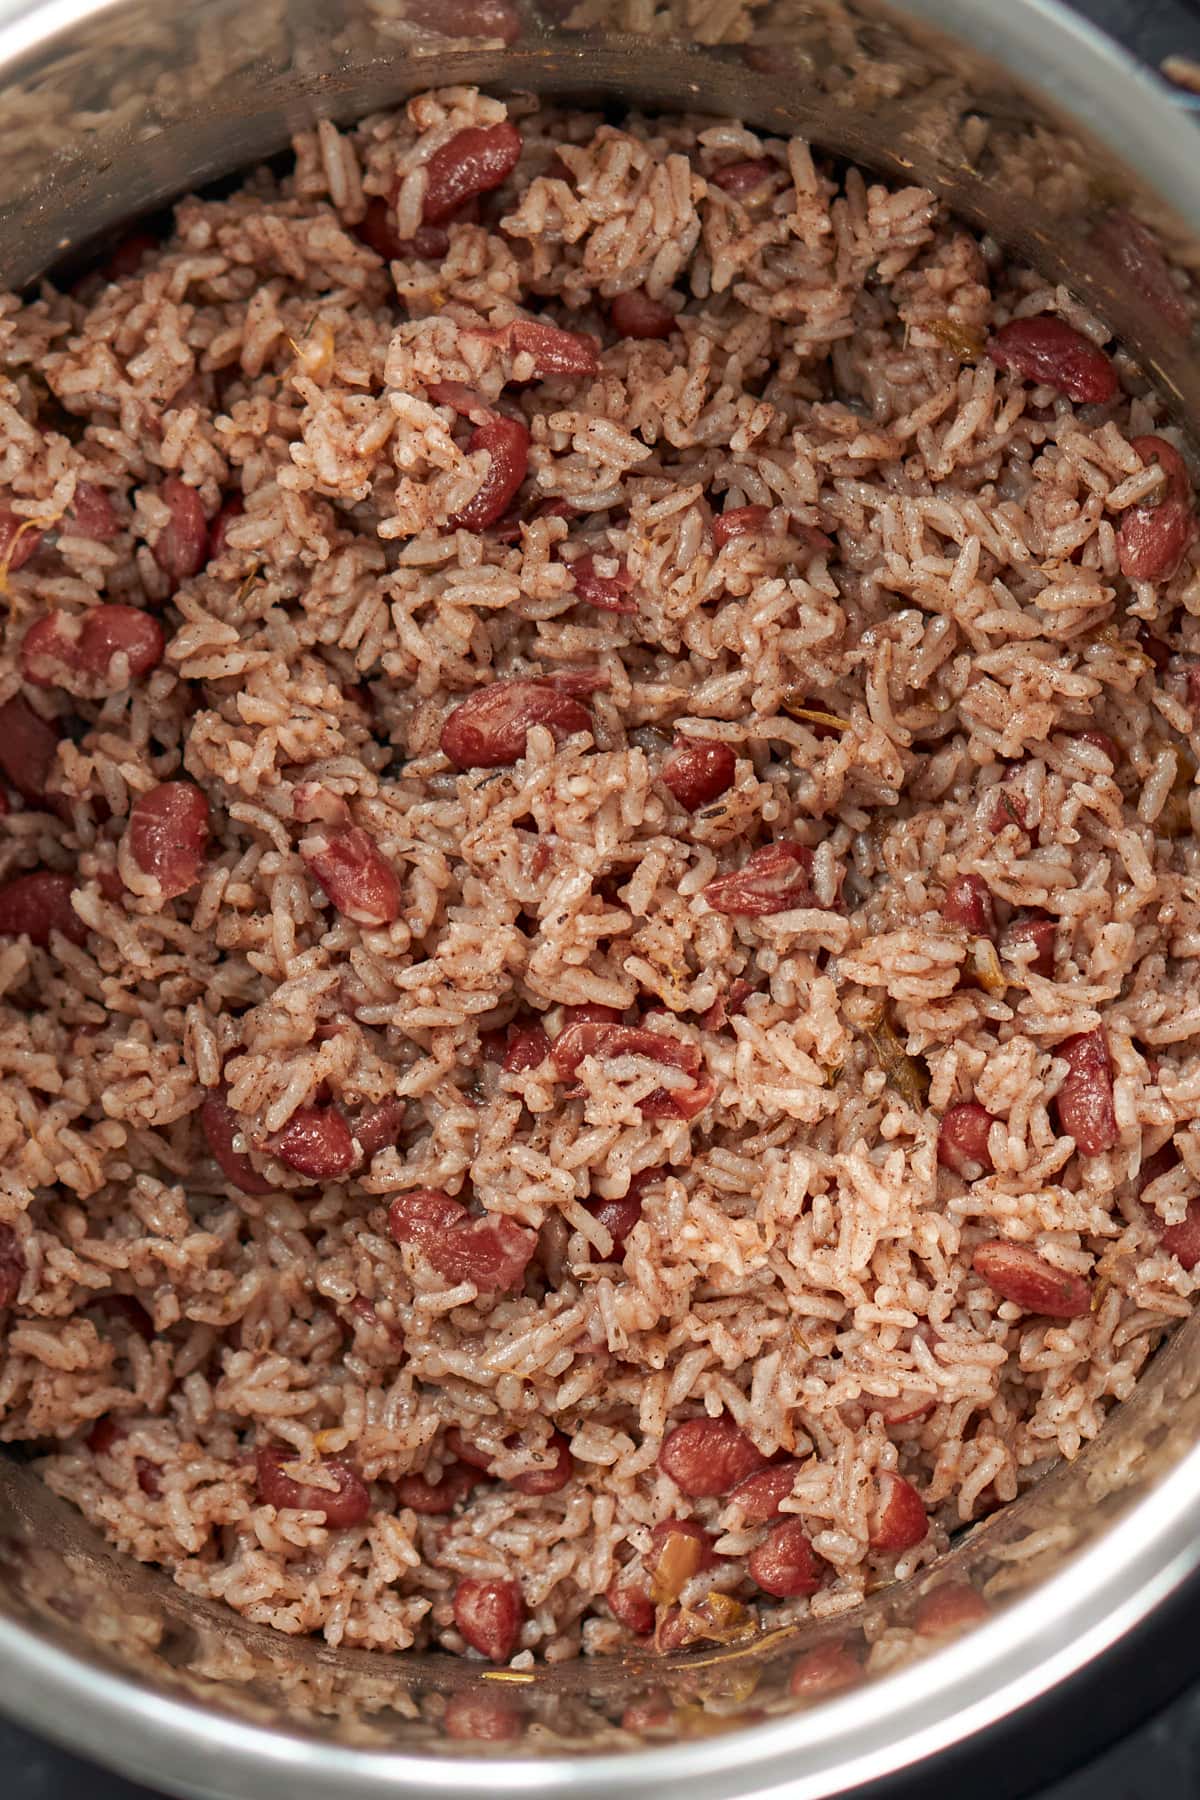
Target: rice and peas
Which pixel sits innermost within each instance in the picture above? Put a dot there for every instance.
(598, 905)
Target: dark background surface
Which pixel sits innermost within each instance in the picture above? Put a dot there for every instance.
(1129, 1727)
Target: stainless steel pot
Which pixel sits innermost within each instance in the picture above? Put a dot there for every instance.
(108, 107)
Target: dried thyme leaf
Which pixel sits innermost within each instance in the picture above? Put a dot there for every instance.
(905, 1073)
(811, 715)
(965, 343)
(983, 965)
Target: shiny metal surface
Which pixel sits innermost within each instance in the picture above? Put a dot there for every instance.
(1030, 123)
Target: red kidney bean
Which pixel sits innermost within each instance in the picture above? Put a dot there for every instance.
(617, 1216)
(489, 1614)
(1125, 241)
(708, 1456)
(825, 1670)
(230, 509)
(727, 1005)
(773, 879)
(467, 1451)
(36, 905)
(487, 730)
(555, 1475)
(149, 1477)
(746, 179)
(181, 547)
(377, 230)
(316, 1141)
(377, 1127)
(507, 444)
(463, 400)
(347, 864)
(348, 1502)
(963, 1139)
(584, 1039)
(12, 1266)
(630, 1606)
(1100, 740)
(698, 771)
(1026, 1279)
(1085, 1099)
(668, 1531)
(590, 1012)
(576, 682)
(1153, 646)
(480, 1719)
(93, 512)
(492, 1252)
(434, 1499)
(969, 902)
(785, 1563)
(610, 593)
(1182, 1241)
(127, 255)
(738, 522)
(554, 351)
(899, 1520)
(474, 161)
(526, 1047)
(28, 749)
(651, 1714)
(1048, 351)
(105, 1433)
(466, 19)
(758, 1497)
(18, 541)
(221, 1125)
(1038, 929)
(76, 650)
(1154, 534)
(951, 1607)
(168, 835)
(636, 315)
(1005, 806)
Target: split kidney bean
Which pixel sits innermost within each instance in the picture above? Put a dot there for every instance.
(377, 230)
(507, 444)
(738, 522)
(168, 835)
(748, 178)
(93, 512)
(969, 902)
(556, 1474)
(230, 509)
(474, 161)
(12, 1266)
(37, 905)
(963, 1138)
(698, 771)
(221, 1125)
(617, 1216)
(636, 315)
(18, 541)
(181, 547)
(377, 1127)
(489, 1614)
(492, 1252)
(487, 730)
(481, 1719)
(105, 1433)
(347, 1503)
(899, 1520)
(1005, 807)
(759, 1496)
(706, 1457)
(785, 1563)
(610, 593)
(1026, 1279)
(526, 1047)
(630, 1606)
(1048, 351)
(28, 749)
(773, 879)
(434, 1499)
(1085, 1099)
(1125, 242)
(584, 1039)
(316, 1141)
(1038, 929)
(76, 651)
(1154, 534)
(1182, 1241)
(825, 1670)
(553, 350)
(347, 864)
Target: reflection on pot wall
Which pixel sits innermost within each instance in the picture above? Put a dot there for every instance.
(142, 105)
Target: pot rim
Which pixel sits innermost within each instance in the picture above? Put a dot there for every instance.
(900, 1718)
